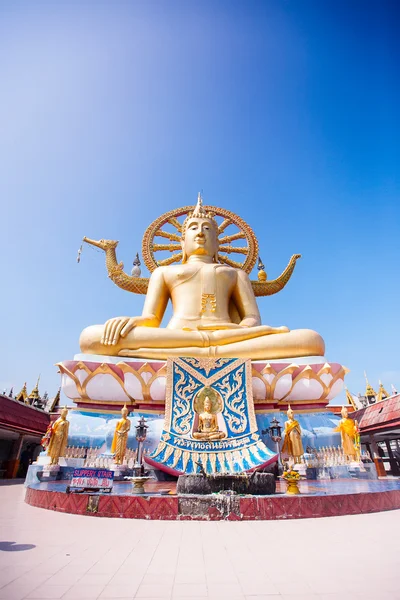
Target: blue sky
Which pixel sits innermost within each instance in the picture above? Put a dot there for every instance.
(285, 112)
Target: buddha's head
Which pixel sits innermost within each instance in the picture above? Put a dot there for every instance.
(200, 234)
(207, 404)
(64, 412)
(290, 413)
(124, 412)
(344, 412)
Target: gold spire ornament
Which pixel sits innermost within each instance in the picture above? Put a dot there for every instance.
(262, 275)
(23, 395)
(350, 399)
(34, 396)
(382, 393)
(369, 391)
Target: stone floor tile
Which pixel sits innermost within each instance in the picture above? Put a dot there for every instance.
(119, 591)
(295, 588)
(14, 592)
(82, 592)
(221, 576)
(94, 578)
(302, 597)
(48, 591)
(189, 590)
(264, 597)
(153, 590)
(158, 578)
(259, 588)
(60, 578)
(224, 590)
(190, 577)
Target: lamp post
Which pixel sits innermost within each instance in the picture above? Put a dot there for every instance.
(141, 433)
(275, 431)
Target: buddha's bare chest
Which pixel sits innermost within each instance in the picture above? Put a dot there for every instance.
(220, 280)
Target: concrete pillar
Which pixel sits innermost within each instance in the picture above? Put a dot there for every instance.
(380, 468)
(13, 461)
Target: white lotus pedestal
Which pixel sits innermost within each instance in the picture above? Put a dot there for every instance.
(106, 383)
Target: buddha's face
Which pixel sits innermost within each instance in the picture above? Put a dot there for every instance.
(200, 238)
(207, 404)
(290, 413)
(344, 412)
(124, 412)
(64, 413)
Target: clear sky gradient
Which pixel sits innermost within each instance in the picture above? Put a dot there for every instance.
(285, 112)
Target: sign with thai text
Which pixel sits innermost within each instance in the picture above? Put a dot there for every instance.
(93, 479)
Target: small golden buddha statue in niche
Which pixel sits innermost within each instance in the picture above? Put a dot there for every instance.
(208, 428)
(215, 313)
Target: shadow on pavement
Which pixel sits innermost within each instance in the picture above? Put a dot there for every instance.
(13, 547)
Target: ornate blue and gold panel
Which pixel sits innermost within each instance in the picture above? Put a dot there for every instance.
(209, 421)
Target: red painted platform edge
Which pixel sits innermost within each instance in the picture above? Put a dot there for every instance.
(251, 507)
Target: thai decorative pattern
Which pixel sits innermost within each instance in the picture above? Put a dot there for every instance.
(231, 446)
(144, 382)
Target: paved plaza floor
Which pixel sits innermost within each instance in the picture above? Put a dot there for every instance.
(48, 555)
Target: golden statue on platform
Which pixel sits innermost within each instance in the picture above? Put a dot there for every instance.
(208, 425)
(215, 313)
(58, 437)
(292, 444)
(120, 439)
(348, 432)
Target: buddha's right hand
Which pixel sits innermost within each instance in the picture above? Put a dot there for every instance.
(120, 327)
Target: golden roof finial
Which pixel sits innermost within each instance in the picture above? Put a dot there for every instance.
(369, 391)
(34, 395)
(22, 396)
(382, 394)
(350, 399)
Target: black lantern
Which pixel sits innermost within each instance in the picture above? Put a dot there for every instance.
(275, 430)
(141, 430)
(141, 433)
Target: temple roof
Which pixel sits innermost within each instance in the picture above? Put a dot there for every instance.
(22, 417)
(380, 416)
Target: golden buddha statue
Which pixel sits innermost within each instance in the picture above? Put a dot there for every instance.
(348, 431)
(292, 444)
(120, 439)
(208, 425)
(59, 437)
(215, 313)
